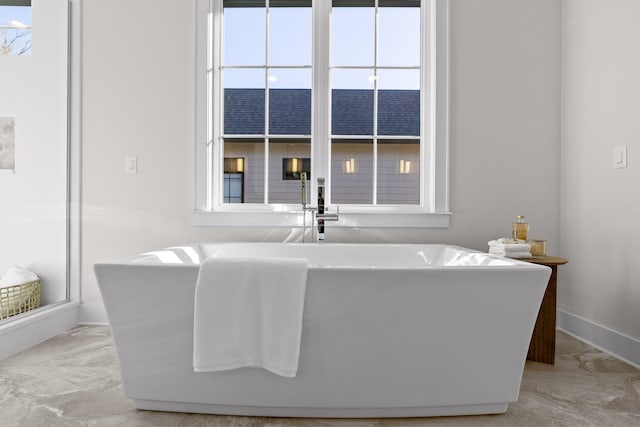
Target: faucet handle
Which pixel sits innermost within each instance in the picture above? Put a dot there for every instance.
(326, 216)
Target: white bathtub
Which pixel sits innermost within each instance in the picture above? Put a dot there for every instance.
(388, 331)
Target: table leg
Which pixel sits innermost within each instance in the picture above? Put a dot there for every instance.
(543, 341)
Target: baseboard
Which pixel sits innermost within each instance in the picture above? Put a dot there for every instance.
(92, 314)
(26, 331)
(623, 347)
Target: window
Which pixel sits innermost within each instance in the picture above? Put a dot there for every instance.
(375, 69)
(15, 27)
(292, 168)
(367, 106)
(233, 180)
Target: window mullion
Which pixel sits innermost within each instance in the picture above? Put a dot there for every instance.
(266, 170)
(214, 146)
(266, 105)
(375, 103)
(320, 144)
(266, 135)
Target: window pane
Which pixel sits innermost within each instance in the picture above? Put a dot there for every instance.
(289, 102)
(15, 28)
(252, 153)
(352, 102)
(244, 37)
(399, 36)
(293, 167)
(399, 102)
(351, 172)
(244, 102)
(352, 34)
(209, 102)
(398, 172)
(283, 190)
(290, 34)
(233, 187)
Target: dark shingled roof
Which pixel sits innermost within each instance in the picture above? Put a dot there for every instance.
(352, 112)
(399, 112)
(243, 111)
(351, 109)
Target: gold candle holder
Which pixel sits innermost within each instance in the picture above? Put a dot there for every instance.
(538, 247)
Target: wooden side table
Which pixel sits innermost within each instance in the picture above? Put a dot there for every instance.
(543, 341)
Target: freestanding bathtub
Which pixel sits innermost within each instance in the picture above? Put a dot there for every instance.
(388, 331)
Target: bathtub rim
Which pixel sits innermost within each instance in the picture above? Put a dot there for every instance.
(146, 258)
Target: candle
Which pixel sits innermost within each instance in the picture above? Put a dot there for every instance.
(538, 247)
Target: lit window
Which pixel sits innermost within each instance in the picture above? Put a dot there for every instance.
(293, 167)
(234, 180)
(357, 87)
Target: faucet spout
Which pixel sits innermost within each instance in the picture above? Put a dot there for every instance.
(303, 187)
(305, 206)
(322, 214)
(319, 213)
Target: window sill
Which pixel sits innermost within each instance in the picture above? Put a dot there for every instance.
(295, 219)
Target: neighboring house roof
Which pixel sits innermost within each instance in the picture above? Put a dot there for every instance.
(352, 112)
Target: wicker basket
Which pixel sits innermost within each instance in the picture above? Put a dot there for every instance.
(19, 298)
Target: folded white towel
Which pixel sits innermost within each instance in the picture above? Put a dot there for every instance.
(516, 247)
(17, 276)
(506, 240)
(248, 313)
(518, 254)
(509, 245)
(521, 254)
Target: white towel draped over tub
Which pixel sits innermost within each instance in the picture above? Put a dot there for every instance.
(248, 313)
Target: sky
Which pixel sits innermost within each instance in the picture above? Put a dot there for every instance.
(18, 13)
(352, 44)
(21, 14)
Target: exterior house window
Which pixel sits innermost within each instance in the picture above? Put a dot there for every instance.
(350, 85)
(233, 180)
(292, 168)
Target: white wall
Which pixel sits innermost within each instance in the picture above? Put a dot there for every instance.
(600, 205)
(33, 209)
(138, 85)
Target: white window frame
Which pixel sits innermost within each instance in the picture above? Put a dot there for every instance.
(433, 210)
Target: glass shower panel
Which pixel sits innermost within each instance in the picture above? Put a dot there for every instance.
(34, 212)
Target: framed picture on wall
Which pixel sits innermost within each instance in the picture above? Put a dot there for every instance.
(7, 143)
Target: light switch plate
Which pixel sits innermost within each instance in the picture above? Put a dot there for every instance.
(131, 165)
(620, 157)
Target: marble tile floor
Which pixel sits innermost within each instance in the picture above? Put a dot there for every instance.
(73, 380)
